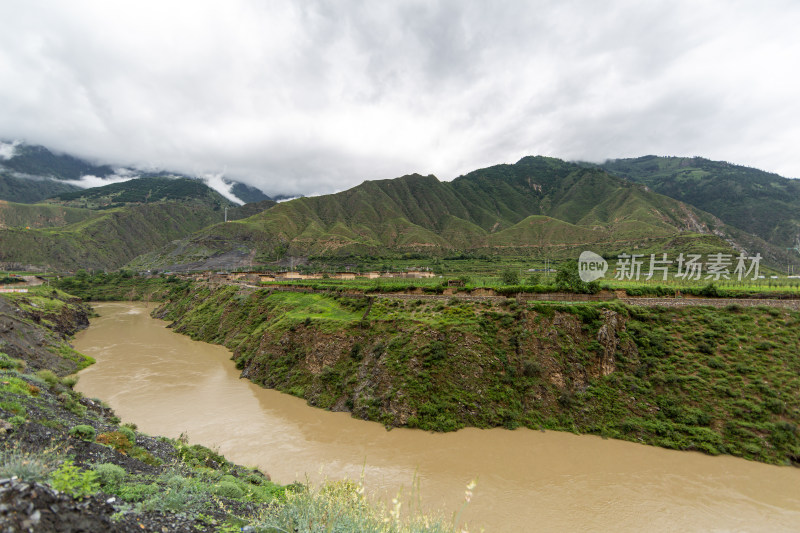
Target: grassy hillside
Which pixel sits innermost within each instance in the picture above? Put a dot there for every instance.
(250, 209)
(15, 215)
(538, 205)
(755, 201)
(693, 378)
(108, 240)
(112, 225)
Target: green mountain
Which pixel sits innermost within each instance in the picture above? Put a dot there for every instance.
(109, 240)
(28, 190)
(39, 161)
(248, 194)
(125, 220)
(30, 174)
(757, 202)
(143, 191)
(537, 206)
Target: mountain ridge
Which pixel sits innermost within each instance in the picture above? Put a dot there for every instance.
(32, 173)
(758, 202)
(488, 211)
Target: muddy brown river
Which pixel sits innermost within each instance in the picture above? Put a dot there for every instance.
(527, 480)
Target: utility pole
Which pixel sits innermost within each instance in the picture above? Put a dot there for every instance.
(226, 214)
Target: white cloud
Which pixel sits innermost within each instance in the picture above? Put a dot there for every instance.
(7, 150)
(314, 96)
(89, 180)
(218, 183)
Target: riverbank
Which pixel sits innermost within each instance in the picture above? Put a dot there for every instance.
(719, 381)
(556, 480)
(67, 462)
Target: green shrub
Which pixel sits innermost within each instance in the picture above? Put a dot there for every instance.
(49, 377)
(198, 455)
(531, 368)
(83, 432)
(136, 492)
(128, 432)
(228, 489)
(13, 407)
(9, 363)
(69, 381)
(256, 478)
(74, 481)
(137, 452)
(110, 476)
(16, 420)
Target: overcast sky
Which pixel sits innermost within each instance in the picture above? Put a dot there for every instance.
(313, 97)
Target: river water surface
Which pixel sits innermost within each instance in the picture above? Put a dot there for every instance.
(527, 480)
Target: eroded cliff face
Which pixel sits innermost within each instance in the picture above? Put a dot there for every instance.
(22, 337)
(692, 378)
(501, 365)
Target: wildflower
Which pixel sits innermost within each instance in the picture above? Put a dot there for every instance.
(468, 493)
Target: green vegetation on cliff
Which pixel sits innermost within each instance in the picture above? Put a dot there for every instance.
(693, 378)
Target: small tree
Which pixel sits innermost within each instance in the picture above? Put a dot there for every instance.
(509, 276)
(568, 279)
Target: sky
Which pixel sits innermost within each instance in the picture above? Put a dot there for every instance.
(314, 97)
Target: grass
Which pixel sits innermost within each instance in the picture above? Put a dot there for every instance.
(342, 506)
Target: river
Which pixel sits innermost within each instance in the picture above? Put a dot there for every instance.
(526, 480)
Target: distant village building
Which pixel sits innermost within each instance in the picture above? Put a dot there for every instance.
(289, 275)
(419, 274)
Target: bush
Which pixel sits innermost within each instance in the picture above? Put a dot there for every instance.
(83, 432)
(531, 368)
(69, 381)
(228, 489)
(110, 476)
(72, 480)
(9, 363)
(49, 377)
(128, 432)
(117, 440)
(509, 276)
(136, 492)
